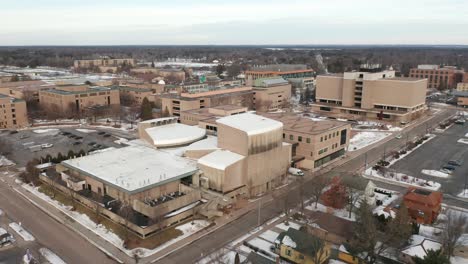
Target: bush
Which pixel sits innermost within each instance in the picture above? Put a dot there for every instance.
(396, 155)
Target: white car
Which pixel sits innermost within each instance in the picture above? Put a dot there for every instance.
(398, 136)
(47, 145)
(296, 172)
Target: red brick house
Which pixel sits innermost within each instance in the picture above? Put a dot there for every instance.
(423, 205)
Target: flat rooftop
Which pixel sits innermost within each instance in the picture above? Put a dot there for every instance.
(250, 123)
(90, 90)
(220, 159)
(133, 169)
(175, 134)
(297, 123)
(406, 79)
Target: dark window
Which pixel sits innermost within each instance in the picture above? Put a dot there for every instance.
(343, 136)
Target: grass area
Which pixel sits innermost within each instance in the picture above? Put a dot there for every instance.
(133, 241)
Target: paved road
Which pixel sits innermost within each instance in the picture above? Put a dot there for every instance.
(225, 234)
(71, 247)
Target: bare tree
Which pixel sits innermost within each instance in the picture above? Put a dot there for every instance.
(354, 187)
(263, 105)
(126, 212)
(318, 247)
(126, 99)
(317, 188)
(5, 146)
(455, 227)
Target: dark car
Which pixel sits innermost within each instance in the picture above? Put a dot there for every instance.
(449, 167)
(78, 137)
(92, 143)
(65, 133)
(101, 133)
(454, 163)
(76, 143)
(106, 135)
(13, 132)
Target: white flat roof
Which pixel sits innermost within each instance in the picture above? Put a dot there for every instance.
(220, 159)
(210, 142)
(175, 134)
(250, 123)
(158, 120)
(134, 168)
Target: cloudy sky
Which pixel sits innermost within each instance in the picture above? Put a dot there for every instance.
(146, 22)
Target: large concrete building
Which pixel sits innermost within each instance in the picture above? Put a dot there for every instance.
(371, 93)
(462, 86)
(438, 77)
(13, 113)
(105, 62)
(136, 94)
(285, 71)
(24, 89)
(78, 97)
(314, 143)
(197, 116)
(271, 94)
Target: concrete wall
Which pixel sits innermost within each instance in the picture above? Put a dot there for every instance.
(167, 207)
(64, 102)
(406, 94)
(329, 87)
(272, 98)
(226, 180)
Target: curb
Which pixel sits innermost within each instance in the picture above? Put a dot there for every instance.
(56, 218)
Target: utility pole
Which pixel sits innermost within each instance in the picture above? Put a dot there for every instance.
(365, 161)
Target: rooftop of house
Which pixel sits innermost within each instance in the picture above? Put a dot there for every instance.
(300, 241)
(332, 224)
(423, 196)
(134, 168)
(299, 124)
(420, 246)
(175, 134)
(90, 90)
(251, 124)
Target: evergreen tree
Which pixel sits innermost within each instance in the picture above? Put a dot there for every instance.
(432, 257)
(146, 110)
(365, 237)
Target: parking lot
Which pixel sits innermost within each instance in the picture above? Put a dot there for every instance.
(37, 143)
(435, 154)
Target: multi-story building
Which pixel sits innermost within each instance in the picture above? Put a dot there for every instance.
(314, 143)
(462, 86)
(105, 62)
(136, 94)
(371, 93)
(77, 98)
(13, 113)
(462, 97)
(197, 116)
(177, 103)
(438, 77)
(28, 90)
(423, 206)
(285, 71)
(271, 93)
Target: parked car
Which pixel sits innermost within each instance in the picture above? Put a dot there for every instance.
(78, 137)
(449, 167)
(454, 163)
(24, 136)
(460, 121)
(398, 136)
(13, 132)
(91, 143)
(76, 143)
(106, 135)
(65, 133)
(446, 171)
(47, 145)
(35, 148)
(101, 133)
(295, 172)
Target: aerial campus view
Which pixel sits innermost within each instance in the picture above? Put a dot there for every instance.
(310, 132)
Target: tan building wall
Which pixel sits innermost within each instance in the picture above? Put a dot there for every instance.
(233, 177)
(331, 87)
(271, 98)
(462, 86)
(103, 62)
(13, 113)
(138, 94)
(462, 101)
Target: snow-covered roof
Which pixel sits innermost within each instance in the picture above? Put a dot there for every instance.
(420, 246)
(220, 159)
(211, 142)
(175, 134)
(156, 120)
(134, 168)
(250, 123)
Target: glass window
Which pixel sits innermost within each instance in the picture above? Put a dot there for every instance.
(308, 140)
(291, 137)
(321, 139)
(299, 138)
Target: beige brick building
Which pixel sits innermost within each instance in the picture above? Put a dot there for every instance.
(271, 94)
(13, 113)
(105, 62)
(462, 86)
(77, 98)
(285, 71)
(23, 89)
(137, 94)
(314, 143)
(195, 116)
(371, 93)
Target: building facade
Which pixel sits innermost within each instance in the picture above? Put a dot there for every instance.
(462, 86)
(271, 94)
(136, 94)
(13, 113)
(285, 71)
(423, 206)
(371, 93)
(437, 77)
(105, 62)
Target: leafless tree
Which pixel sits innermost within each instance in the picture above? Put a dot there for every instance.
(126, 99)
(126, 212)
(263, 105)
(320, 182)
(354, 189)
(318, 246)
(455, 227)
(5, 146)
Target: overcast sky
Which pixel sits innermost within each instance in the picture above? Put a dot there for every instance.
(146, 22)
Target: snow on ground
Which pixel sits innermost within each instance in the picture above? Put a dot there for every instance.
(121, 141)
(5, 162)
(463, 140)
(100, 230)
(386, 201)
(1, 212)
(50, 256)
(51, 131)
(21, 231)
(334, 261)
(462, 194)
(269, 236)
(285, 227)
(403, 179)
(429, 232)
(458, 260)
(364, 139)
(466, 135)
(435, 173)
(84, 130)
(261, 244)
(341, 213)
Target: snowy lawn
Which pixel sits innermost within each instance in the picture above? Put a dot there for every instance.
(187, 229)
(269, 236)
(364, 139)
(430, 232)
(435, 173)
(5, 162)
(50, 131)
(50, 256)
(404, 179)
(261, 244)
(463, 194)
(285, 227)
(22, 232)
(341, 213)
(84, 130)
(386, 201)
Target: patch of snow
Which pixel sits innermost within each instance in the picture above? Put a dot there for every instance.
(183, 209)
(121, 141)
(435, 173)
(341, 213)
(261, 244)
(50, 256)
(287, 241)
(463, 194)
(403, 179)
(463, 140)
(1, 212)
(285, 227)
(334, 261)
(458, 260)
(429, 231)
(364, 139)
(52, 131)
(84, 130)
(5, 162)
(21, 231)
(269, 236)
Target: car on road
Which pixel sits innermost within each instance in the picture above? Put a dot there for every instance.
(101, 133)
(76, 143)
(65, 133)
(454, 163)
(296, 172)
(460, 121)
(91, 143)
(106, 135)
(24, 136)
(398, 136)
(47, 145)
(78, 137)
(13, 132)
(449, 167)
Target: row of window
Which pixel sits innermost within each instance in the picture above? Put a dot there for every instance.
(329, 136)
(299, 138)
(4, 105)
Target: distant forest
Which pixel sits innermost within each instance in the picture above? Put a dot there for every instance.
(334, 58)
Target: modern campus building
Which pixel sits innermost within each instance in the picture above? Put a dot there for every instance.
(285, 71)
(78, 97)
(314, 143)
(462, 97)
(198, 116)
(136, 94)
(24, 89)
(371, 93)
(438, 77)
(271, 94)
(105, 62)
(462, 86)
(13, 113)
